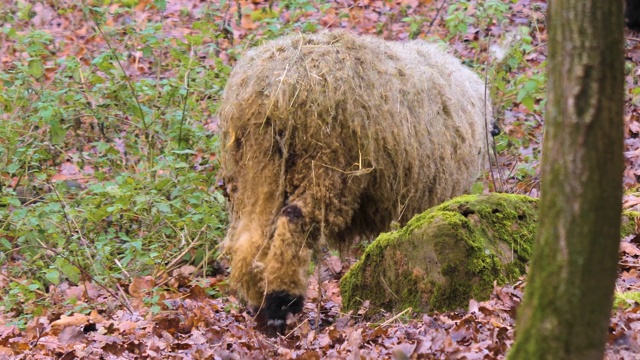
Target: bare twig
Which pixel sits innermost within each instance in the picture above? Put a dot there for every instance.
(486, 115)
(19, 281)
(179, 257)
(388, 288)
(187, 81)
(296, 328)
(126, 76)
(435, 17)
(395, 317)
(87, 275)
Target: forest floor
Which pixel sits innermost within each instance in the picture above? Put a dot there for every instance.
(200, 319)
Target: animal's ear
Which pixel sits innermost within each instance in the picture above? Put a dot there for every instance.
(272, 316)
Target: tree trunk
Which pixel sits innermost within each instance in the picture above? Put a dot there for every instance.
(568, 299)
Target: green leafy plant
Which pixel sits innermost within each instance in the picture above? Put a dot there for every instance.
(513, 80)
(143, 198)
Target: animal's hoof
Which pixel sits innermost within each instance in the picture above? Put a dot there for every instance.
(272, 317)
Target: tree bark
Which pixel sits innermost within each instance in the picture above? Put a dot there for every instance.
(569, 295)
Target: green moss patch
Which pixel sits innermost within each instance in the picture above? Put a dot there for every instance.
(629, 220)
(445, 256)
(626, 299)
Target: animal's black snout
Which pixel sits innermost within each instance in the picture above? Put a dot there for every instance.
(272, 317)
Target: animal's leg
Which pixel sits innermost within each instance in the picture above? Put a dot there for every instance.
(285, 273)
(248, 251)
(309, 212)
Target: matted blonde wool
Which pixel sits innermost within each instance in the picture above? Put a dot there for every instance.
(332, 136)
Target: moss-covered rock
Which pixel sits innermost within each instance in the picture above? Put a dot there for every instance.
(445, 256)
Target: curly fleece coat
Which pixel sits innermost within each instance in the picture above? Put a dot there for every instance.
(331, 136)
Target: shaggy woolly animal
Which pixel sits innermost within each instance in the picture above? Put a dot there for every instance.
(331, 136)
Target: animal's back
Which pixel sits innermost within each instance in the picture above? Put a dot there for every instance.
(406, 117)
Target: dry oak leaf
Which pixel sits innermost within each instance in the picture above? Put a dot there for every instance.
(71, 335)
(73, 320)
(629, 248)
(140, 286)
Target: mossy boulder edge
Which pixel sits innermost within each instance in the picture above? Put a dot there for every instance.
(445, 256)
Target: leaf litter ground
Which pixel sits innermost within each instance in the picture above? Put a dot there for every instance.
(184, 322)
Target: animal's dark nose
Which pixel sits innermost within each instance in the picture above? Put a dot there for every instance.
(272, 317)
